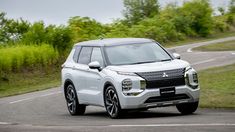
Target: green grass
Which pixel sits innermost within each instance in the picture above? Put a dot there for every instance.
(28, 81)
(16, 57)
(225, 46)
(199, 39)
(218, 87)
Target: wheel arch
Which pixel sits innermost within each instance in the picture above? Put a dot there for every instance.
(106, 85)
(66, 83)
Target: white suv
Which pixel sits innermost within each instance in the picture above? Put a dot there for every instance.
(127, 73)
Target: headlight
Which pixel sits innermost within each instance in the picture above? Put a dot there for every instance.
(195, 78)
(191, 78)
(126, 85)
(129, 91)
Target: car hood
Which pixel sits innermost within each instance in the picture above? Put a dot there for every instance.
(148, 67)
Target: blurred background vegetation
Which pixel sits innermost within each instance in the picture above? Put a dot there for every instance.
(26, 48)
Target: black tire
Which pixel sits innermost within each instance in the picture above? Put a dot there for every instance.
(73, 105)
(187, 108)
(111, 103)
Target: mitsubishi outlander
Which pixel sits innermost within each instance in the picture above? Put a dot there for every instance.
(127, 73)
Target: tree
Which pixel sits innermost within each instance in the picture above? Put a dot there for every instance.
(221, 10)
(117, 29)
(12, 30)
(137, 10)
(85, 28)
(200, 14)
(36, 34)
(232, 6)
(60, 37)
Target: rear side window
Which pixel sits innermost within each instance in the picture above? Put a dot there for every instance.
(76, 53)
(85, 55)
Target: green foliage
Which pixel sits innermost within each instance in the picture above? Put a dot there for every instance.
(85, 28)
(232, 6)
(11, 30)
(60, 37)
(231, 19)
(221, 10)
(136, 10)
(158, 28)
(172, 23)
(20, 56)
(200, 14)
(117, 30)
(220, 24)
(36, 34)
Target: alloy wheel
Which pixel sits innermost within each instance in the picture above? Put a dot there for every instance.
(111, 102)
(71, 99)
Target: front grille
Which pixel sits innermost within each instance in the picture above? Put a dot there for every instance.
(166, 98)
(163, 78)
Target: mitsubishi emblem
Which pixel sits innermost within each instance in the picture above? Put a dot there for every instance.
(164, 74)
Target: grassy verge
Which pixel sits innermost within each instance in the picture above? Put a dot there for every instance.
(202, 39)
(218, 87)
(24, 82)
(225, 46)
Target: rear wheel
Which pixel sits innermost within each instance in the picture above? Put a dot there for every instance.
(111, 102)
(187, 108)
(73, 105)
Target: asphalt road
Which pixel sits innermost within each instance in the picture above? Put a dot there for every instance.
(46, 110)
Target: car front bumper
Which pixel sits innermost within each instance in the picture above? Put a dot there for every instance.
(152, 98)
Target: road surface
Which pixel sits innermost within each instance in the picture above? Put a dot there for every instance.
(46, 110)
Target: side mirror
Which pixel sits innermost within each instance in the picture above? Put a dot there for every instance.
(94, 65)
(176, 56)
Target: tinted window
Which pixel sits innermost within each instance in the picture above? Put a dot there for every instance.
(76, 53)
(97, 56)
(85, 55)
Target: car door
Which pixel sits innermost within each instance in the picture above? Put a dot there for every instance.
(81, 70)
(94, 78)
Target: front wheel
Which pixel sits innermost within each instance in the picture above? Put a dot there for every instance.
(72, 101)
(187, 108)
(111, 102)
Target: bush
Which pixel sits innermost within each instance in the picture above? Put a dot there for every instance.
(60, 37)
(200, 14)
(159, 28)
(85, 28)
(18, 57)
(220, 24)
(117, 30)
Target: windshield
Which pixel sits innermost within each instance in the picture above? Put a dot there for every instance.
(136, 54)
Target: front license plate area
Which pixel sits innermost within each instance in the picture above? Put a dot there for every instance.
(169, 91)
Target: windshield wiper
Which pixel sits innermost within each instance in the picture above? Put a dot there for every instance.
(166, 60)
